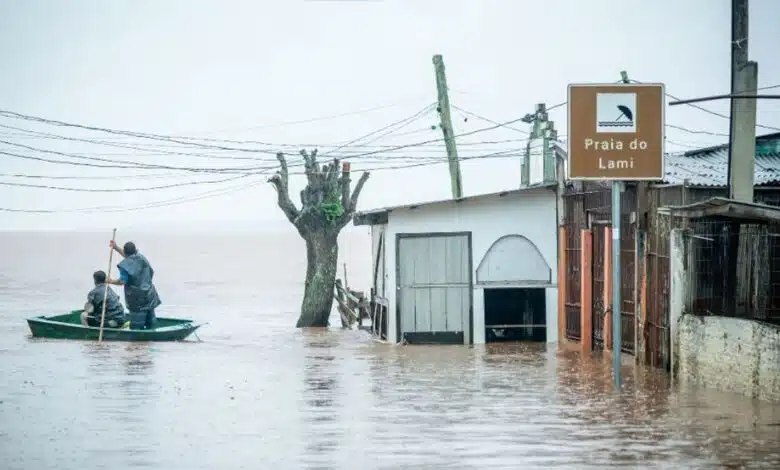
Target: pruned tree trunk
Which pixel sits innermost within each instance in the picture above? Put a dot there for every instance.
(321, 267)
(327, 206)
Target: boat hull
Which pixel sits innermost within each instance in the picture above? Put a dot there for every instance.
(69, 326)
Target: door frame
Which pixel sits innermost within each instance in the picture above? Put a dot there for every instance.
(398, 238)
(521, 286)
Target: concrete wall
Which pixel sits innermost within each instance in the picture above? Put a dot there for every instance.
(530, 213)
(730, 354)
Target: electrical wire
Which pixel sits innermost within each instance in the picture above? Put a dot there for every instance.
(310, 120)
(133, 147)
(124, 190)
(136, 165)
(239, 172)
(127, 164)
(389, 128)
(489, 120)
(181, 200)
(721, 115)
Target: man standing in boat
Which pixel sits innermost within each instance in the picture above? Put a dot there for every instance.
(136, 274)
(93, 310)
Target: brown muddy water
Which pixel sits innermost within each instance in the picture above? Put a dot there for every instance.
(257, 393)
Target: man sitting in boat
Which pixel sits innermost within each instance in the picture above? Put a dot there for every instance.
(93, 309)
(136, 274)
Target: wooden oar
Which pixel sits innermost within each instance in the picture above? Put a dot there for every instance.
(105, 295)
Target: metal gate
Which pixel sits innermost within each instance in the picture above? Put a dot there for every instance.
(597, 276)
(572, 303)
(656, 328)
(627, 284)
(434, 292)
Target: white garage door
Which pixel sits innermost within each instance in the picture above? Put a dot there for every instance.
(434, 288)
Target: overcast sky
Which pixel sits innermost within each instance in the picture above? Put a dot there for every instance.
(243, 70)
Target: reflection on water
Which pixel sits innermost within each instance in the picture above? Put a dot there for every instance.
(259, 394)
(320, 396)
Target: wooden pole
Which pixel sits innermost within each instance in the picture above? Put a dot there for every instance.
(105, 295)
(446, 127)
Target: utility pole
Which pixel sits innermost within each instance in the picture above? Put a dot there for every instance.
(742, 129)
(544, 130)
(446, 127)
(742, 137)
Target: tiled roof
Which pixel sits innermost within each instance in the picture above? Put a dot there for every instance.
(709, 166)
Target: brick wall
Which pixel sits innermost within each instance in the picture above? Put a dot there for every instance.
(730, 354)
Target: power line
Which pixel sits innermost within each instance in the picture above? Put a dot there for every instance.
(87, 161)
(721, 115)
(140, 135)
(181, 200)
(489, 120)
(124, 190)
(183, 140)
(364, 147)
(127, 164)
(692, 131)
(218, 147)
(399, 147)
(427, 109)
(132, 147)
(309, 120)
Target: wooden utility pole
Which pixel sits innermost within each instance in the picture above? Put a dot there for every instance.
(742, 129)
(446, 127)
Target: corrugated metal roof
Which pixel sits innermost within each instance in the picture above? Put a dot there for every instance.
(709, 166)
(725, 208)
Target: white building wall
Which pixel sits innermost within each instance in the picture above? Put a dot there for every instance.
(530, 213)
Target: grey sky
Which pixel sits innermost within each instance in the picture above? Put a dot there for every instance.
(236, 70)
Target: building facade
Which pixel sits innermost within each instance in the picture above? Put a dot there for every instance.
(471, 271)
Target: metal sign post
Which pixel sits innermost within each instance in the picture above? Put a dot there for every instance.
(617, 301)
(616, 132)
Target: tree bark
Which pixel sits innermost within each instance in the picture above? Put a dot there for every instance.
(327, 206)
(322, 265)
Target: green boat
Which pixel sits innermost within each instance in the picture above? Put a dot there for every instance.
(68, 326)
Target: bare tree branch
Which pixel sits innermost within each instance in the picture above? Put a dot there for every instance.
(333, 171)
(349, 208)
(311, 166)
(356, 192)
(281, 182)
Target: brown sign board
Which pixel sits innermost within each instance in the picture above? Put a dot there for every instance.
(616, 131)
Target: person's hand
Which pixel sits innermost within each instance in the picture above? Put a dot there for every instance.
(112, 244)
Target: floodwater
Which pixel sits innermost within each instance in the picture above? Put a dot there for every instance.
(257, 393)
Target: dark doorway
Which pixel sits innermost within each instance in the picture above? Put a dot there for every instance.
(515, 314)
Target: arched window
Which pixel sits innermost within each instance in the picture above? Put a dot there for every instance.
(514, 259)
